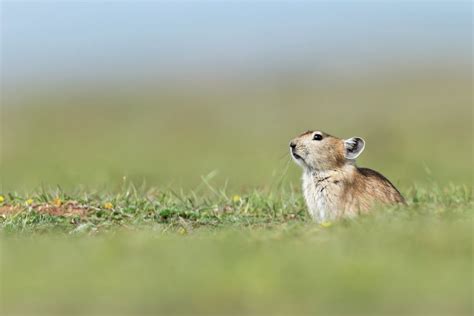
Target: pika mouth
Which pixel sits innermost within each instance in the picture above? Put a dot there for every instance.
(296, 156)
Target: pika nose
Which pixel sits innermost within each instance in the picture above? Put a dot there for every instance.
(292, 145)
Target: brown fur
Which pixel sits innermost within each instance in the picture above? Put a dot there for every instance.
(332, 184)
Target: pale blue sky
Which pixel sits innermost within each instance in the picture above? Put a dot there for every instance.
(62, 40)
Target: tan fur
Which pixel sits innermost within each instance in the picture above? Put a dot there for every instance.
(333, 186)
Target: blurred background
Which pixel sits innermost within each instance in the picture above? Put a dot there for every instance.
(165, 93)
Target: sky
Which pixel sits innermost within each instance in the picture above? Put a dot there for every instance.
(61, 40)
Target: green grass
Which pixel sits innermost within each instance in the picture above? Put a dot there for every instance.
(210, 252)
(185, 245)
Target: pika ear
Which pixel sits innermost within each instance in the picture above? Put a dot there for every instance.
(353, 147)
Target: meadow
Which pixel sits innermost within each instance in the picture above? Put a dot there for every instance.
(141, 252)
(182, 199)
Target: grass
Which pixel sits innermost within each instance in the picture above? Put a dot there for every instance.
(132, 208)
(145, 251)
(177, 245)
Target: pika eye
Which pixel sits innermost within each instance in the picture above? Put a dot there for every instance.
(317, 137)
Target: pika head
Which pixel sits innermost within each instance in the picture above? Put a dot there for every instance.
(319, 151)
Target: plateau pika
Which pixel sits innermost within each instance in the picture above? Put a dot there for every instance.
(333, 186)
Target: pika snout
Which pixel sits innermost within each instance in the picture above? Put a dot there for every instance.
(294, 151)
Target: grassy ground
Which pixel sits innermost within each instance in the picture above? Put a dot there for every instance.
(207, 246)
(212, 252)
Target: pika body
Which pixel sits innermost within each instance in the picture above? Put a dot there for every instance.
(333, 186)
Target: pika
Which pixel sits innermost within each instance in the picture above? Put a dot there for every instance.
(333, 186)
